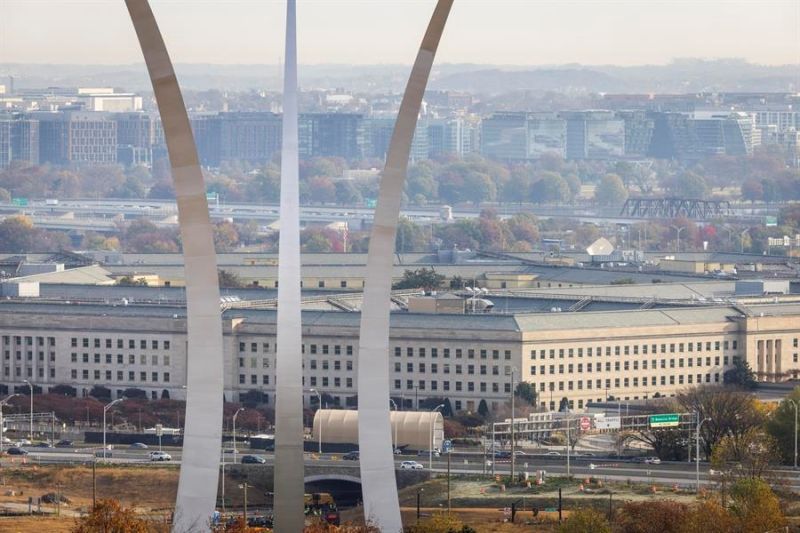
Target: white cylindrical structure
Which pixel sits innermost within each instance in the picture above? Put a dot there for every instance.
(412, 428)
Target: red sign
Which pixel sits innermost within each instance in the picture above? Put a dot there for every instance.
(586, 423)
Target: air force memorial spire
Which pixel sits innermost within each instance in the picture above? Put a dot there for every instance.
(381, 505)
(197, 487)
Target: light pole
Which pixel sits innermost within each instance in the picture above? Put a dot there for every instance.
(2, 427)
(396, 423)
(700, 422)
(319, 407)
(741, 238)
(105, 410)
(234, 431)
(430, 450)
(678, 230)
(794, 404)
(513, 444)
(30, 385)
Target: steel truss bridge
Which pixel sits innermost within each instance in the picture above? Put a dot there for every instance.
(675, 208)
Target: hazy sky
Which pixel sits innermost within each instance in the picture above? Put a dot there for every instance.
(521, 32)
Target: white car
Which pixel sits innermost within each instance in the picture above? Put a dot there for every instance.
(160, 456)
(411, 465)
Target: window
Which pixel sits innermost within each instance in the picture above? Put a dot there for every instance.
(396, 351)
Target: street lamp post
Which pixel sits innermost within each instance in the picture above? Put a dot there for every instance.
(234, 431)
(741, 238)
(513, 444)
(105, 410)
(30, 385)
(2, 427)
(678, 230)
(430, 450)
(319, 406)
(700, 422)
(396, 423)
(794, 404)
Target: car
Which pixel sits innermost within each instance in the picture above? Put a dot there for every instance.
(352, 456)
(64, 443)
(160, 456)
(652, 461)
(23, 442)
(426, 453)
(411, 465)
(502, 455)
(253, 460)
(15, 450)
(397, 451)
(138, 446)
(553, 453)
(519, 452)
(43, 445)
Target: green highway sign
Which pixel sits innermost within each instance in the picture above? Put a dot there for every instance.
(665, 421)
(22, 202)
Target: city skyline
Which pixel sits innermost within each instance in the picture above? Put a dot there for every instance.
(709, 29)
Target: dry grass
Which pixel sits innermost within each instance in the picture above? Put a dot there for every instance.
(142, 487)
(26, 524)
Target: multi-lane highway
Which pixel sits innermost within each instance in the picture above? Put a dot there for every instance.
(680, 473)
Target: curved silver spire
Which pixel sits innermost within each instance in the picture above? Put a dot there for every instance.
(378, 485)
(197, 487)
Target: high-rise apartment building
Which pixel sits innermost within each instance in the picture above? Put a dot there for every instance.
(332, 135)
(19, 139)
(77, 138)
(594, 135)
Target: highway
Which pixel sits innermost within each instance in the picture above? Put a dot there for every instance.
(680, 473)
(102, 215)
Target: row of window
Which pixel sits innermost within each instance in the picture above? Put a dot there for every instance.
(434, 369)
(154, 344)
(324, 349)
(40, 341)
(459, 353)
(121, 375)
(680, 379)
(28, 356)
(626, 365)
(28, 372)
(635, 349)
(120, 359)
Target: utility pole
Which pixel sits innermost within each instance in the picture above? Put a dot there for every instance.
(697, 450)
(94, 482)
(513, 443)
(448, 483)
(30, 385)
(794, 404)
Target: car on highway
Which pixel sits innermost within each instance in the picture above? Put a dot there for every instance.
(23, 442)
(253, 460)
(43, 444)
(15, 450)
(652, 461)
(160, 456)
(352, 456)
(64, 443)
(138, 446)
(426, 453)
(411, 465)
(502, 455)
(519, 452)
(553, 453)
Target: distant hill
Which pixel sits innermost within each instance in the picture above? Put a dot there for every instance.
(679, 76)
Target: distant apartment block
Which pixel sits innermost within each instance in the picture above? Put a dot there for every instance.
(77, 137)
(19, 139)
